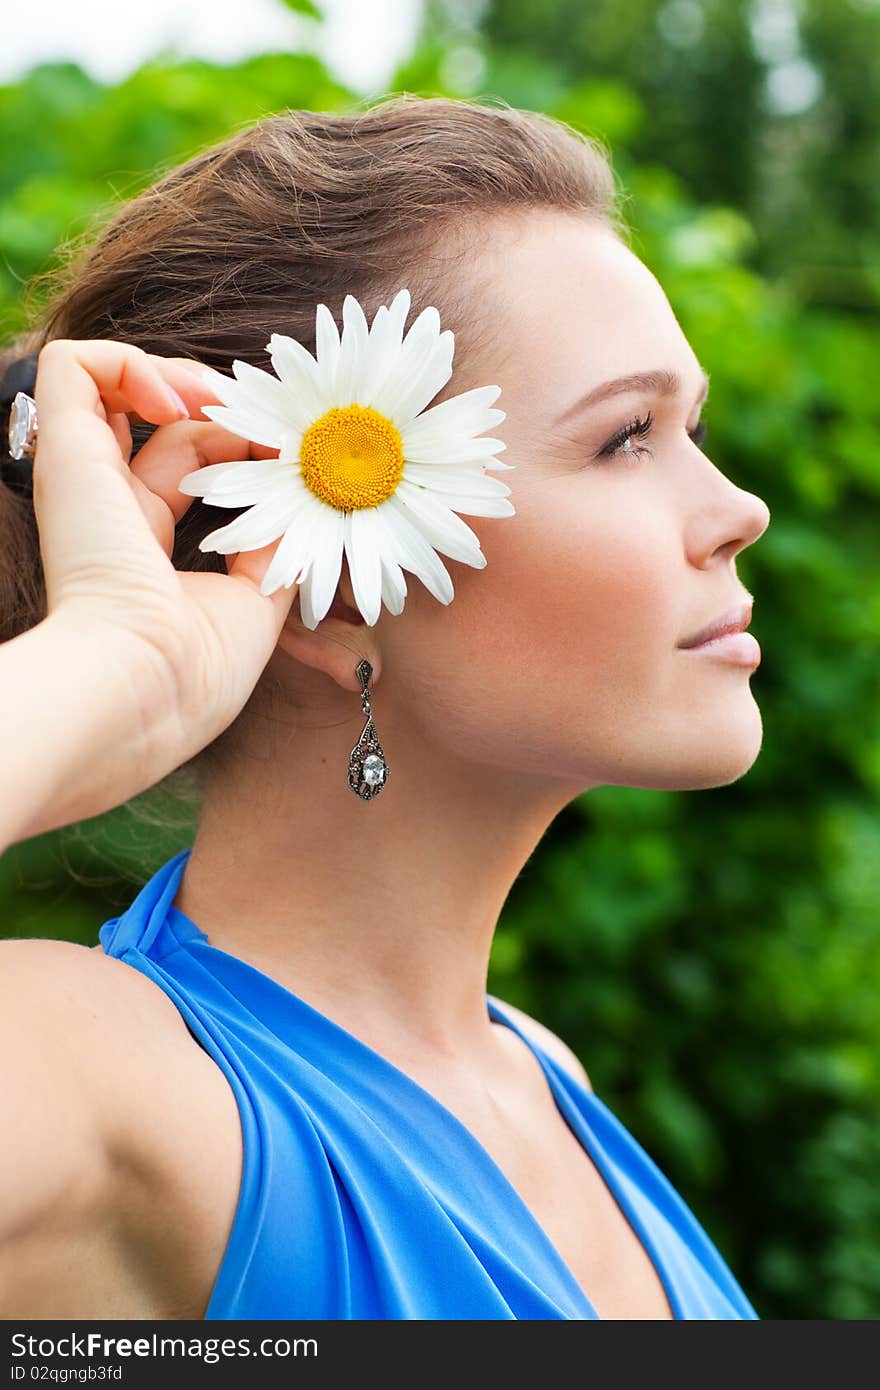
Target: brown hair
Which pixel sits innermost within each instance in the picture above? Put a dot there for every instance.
(247, 237)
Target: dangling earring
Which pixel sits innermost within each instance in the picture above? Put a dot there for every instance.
(367, 768)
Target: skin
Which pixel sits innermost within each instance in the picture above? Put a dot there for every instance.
(132, 653)
(554, 670)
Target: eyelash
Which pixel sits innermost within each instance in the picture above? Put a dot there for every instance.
(639, 428)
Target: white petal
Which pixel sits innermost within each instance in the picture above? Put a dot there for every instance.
(413, 552)
(219, 383)
(327, 345)
(363, 545)
(454, 451)
(470, 482)
(437, 436)
(263, 393)
(219, 477)
(414, 352)
(291, 444)
(252, 393)
(260, 525)
(386, 335)
(380, 357)
(479, 506)
(227, 491)
(298, 369)
(398, 310)
(306, 607)
(327, 563)
(426, 380)
(294, 549)
(442, 529)
(424, 326)
(282, 490)
(393, 584)
(248, 423)
(466, 414)
(352, 353)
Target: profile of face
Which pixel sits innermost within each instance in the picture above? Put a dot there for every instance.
(562, 660)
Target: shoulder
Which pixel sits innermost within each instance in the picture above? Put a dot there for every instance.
(49, 1105)
(134, 1071)
(59, 1174)
(138, 1108)
(92, 1014)
(550, 1042)
(70, 995)
(81, 997)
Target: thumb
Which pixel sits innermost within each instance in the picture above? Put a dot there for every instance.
(251, 565)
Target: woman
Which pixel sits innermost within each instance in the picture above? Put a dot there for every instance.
(277, 1088)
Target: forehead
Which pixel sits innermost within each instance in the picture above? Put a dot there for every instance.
(573, 303)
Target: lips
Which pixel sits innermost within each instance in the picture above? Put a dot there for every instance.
(734, 620)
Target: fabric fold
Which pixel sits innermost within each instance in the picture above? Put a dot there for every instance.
(362, 1196)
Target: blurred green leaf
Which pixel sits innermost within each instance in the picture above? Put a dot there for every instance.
(712, 956)
(306, 7)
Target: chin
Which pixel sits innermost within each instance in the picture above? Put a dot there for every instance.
(725, 753)
(708, 754)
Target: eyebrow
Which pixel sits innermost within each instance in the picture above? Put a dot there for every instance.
(662, 382)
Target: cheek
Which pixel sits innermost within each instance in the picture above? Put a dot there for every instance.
(563, 638)
(586, 584)
(559, 658)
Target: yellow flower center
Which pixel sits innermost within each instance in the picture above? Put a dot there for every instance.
(352, 457)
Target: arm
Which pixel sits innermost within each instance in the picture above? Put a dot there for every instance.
(54, 1167)
(108, 1195)
(138, 665)
(73, 742)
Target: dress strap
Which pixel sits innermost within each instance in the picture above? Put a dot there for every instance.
(143, 919)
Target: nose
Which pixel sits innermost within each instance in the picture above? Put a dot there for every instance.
(721, 529)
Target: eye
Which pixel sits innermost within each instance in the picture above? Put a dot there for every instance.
(621, 442)
(698, 435)
(639, 428)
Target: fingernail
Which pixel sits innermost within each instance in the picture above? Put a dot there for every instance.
(179, 404)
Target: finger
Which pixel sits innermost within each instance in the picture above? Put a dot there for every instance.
(248, 620)
(173, 452)
(184, 374)
(79, 385)
(251, 565)
(76, 378)
(82, 485)
(248, 617)
(157, 514)
(82, 380)
(118, 422)
(81, 481)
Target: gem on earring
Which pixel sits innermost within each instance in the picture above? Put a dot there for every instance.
(367, 768)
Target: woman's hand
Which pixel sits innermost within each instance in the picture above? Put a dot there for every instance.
(182, 652)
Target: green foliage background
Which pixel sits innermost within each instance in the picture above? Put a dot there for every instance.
(714, 956)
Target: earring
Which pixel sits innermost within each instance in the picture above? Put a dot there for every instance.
(367, 768)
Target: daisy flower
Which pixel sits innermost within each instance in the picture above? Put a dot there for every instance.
(363, 467)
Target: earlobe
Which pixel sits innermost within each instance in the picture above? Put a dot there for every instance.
(340, 641)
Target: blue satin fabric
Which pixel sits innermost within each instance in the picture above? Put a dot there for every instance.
(362, 1196)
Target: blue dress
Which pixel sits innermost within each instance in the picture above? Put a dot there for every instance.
(361, 1195)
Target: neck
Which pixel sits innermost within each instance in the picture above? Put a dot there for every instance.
(380, 914)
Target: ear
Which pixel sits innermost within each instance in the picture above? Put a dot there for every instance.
(338, 659)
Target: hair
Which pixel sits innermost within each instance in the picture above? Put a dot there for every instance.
(247, 237)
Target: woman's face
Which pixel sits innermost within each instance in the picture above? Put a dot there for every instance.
(563, 657)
